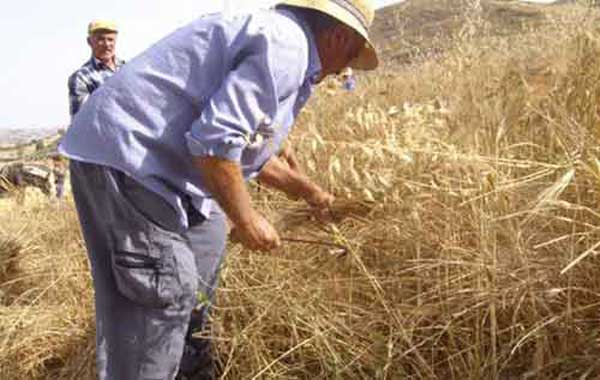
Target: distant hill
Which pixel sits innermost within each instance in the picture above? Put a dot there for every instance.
(15, 136)
(411, 30)
(29, 144)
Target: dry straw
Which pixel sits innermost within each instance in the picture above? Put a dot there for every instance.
(464, 242)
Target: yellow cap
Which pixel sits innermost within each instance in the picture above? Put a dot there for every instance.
(357, 14)
(105, 25)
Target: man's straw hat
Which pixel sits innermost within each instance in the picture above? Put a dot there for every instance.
(102, 25)
(357, 14)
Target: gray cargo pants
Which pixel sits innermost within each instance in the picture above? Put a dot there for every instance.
(148, 278)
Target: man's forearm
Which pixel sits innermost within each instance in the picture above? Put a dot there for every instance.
(224, 180)
(277, 175)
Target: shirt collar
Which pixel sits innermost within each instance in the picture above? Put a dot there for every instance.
(314, 61)
(98, 65)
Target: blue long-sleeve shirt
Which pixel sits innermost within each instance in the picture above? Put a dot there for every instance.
(228, 87)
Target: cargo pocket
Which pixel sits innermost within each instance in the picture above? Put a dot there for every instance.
(145, 271)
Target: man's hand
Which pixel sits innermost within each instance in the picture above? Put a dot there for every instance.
(258, 234)
(278, 175)
(224, 180)
(320, 199)
(288, 156)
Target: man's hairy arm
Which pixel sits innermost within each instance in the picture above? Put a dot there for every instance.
(225, 182)
(278, 175)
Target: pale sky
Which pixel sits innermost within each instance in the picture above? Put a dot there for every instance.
(45, 41)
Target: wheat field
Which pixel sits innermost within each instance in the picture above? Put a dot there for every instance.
(464, 244)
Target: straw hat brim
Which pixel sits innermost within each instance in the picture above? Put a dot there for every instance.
(367, 58)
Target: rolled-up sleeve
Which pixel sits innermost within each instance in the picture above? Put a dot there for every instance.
(247, 97)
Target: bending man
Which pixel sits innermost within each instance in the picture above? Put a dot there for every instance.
(161, 152)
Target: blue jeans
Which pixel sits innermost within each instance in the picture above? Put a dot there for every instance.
(150, 278)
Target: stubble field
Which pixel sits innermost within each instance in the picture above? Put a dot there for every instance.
(465, 241)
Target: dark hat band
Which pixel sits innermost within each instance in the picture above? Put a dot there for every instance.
(354, 11)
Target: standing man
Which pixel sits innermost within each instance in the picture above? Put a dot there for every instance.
(348, 80)
(102, 39)
(160, 155)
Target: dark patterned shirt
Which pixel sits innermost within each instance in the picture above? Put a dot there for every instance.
(86, 80)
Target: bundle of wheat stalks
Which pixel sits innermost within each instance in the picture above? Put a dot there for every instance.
(462, 244)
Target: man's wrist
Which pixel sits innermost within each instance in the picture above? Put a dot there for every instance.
(311, 193)
(245, 219)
